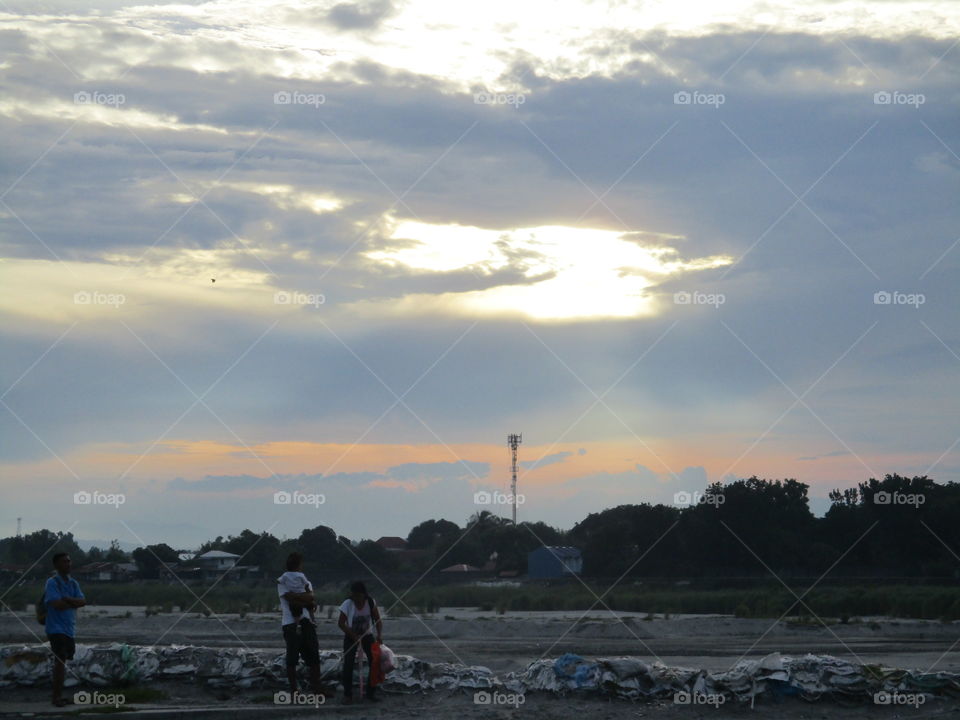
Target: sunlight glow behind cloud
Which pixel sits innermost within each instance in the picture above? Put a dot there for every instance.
(576, 273)
(308, 262)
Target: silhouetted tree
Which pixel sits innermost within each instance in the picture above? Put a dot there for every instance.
(150, 558)
(37, 548)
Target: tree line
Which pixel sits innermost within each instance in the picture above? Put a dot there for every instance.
(895, 527)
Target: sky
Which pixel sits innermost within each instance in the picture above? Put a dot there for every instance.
(338, 251)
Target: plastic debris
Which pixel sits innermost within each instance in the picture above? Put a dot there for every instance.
(811, 677)
(387, 662)
(575, 672)
(103, 665)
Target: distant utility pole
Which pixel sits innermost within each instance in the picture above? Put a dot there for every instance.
(19, 533)
(514, 440)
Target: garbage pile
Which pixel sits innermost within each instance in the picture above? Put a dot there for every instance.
(105, 665)
(810, 677)
(102, 665)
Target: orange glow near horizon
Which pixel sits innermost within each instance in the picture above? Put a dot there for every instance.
(193, 460)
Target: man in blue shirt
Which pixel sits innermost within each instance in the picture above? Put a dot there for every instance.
(61, 596)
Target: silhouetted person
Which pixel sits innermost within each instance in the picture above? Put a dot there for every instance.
(61, 597)
(299, 632)
(358, 618)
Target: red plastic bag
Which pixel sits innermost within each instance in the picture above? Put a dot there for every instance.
(376, 670)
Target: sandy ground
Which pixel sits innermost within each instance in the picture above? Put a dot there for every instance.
(512, 641)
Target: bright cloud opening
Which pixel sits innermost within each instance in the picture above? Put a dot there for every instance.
(586, 273)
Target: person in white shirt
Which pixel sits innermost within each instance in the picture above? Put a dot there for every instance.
(299, 630)
(296, 583)
(359, 617)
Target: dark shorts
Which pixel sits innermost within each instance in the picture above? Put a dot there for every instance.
(302, 643)
(62, 646)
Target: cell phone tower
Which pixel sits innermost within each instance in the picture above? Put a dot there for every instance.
(513, 441)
